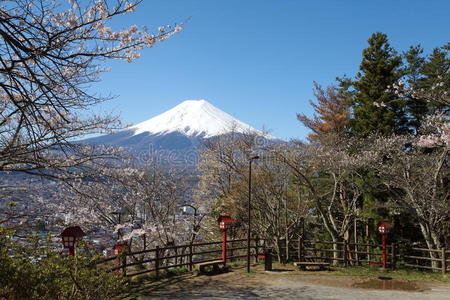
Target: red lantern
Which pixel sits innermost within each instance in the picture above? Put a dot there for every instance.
(384, 228)
(119, 247)
(224, 221)
(223, 224)
(70, 237)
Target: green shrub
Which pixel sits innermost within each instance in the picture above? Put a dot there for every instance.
(36, 271)
(177, 271)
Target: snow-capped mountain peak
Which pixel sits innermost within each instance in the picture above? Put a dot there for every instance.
(174, 137)
(193, 118)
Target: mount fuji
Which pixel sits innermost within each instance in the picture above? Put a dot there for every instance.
(179, 131)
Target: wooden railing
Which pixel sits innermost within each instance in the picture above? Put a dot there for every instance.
(347, 254)
(165, 258)
(420, 262)
(366, 253)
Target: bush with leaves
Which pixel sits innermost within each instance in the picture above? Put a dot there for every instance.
(36, 271)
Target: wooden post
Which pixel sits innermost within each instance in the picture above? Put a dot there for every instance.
(355, 233)
(144, 239)
(368, 248)
(256, 249)
(384, 250)
(124, 264)
(157, 262)
(345, 254)
(264, 247)
(176, 255)
(300, 248)
(444, 261)
(231, 252)
(393, 254)
(224, 245)
(190, 257)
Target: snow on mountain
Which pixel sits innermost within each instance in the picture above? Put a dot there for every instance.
(175, 136)
(193, 118)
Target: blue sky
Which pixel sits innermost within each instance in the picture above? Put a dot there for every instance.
(257, 59)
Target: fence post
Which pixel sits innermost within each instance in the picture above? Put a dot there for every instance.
(393, 254)
(444, 261)
(190, 257)
(256, 249)
(124, 264)
(345, 253)
(157, 262)
(355, 233)
(356, 254)
(300, 248)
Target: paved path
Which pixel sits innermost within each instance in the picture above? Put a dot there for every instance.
(257, 286)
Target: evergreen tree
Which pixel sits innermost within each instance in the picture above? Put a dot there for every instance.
(414, 63)
(416, 108)
(426, 79)
(436, 75)
(374, 108)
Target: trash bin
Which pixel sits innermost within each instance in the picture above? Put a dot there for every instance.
(267, 259)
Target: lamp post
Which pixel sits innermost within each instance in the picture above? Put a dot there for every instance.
(224, 222)
(117, 213)
(70, 237)
(383, 229)
(249, 208)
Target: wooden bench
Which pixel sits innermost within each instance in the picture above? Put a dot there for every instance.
(217, 265)
(304, 264)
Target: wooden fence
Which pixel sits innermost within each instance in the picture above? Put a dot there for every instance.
(165, 258)
(365, 254)
(342, 253)
(415, 259)
(338, 252)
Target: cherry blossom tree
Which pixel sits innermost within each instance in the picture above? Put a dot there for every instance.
(331, 175)
(277, 207)
(143, 206)
(50, 54)
(20, 203)
(416, 169)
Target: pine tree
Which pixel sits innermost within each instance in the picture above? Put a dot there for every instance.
(416, 108)
(436, 75)
(374, 108)
(428, 77)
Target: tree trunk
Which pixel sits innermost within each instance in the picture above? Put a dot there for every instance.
(426, 232)
(287, 245)
(277, 245)
(347, 239)
(336, 255)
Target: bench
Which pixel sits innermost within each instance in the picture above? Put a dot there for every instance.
(304, 264)
(217, 265)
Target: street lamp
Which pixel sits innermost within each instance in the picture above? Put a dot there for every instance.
(383, 229)
(117, 213)
(70, 237)
(249, 208)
